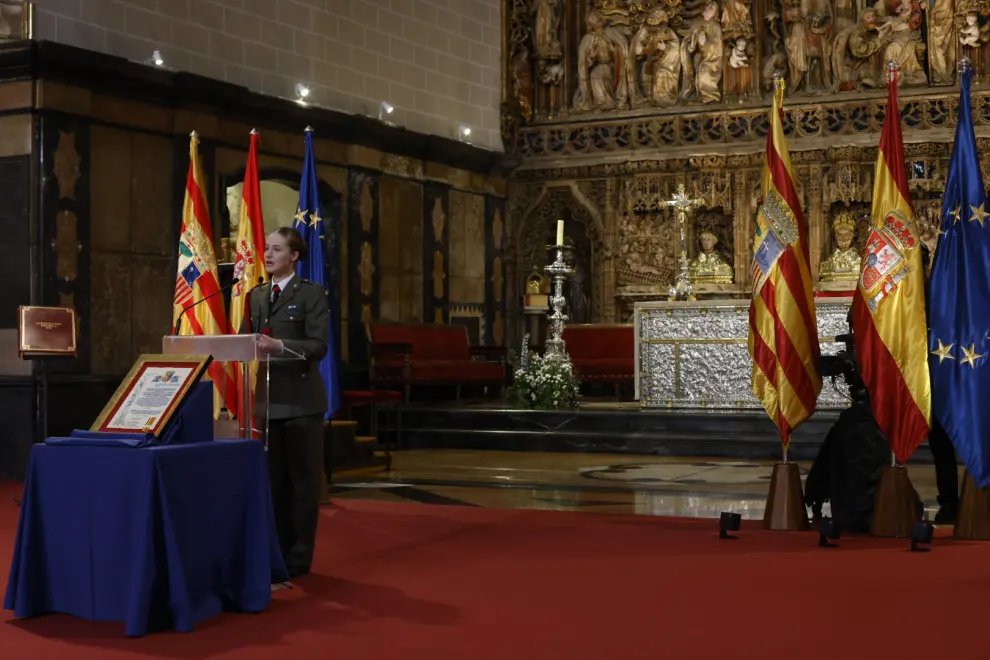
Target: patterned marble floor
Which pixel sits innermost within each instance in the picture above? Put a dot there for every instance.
(607, 483)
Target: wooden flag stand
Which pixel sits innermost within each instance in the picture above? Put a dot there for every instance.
(895, 510)
(785, 510)
(973, 520)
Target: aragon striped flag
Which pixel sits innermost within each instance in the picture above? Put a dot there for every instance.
(197, 278)
(249, 264)
(783, 326)
(889, 326)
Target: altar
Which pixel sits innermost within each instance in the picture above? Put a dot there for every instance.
(694, 354)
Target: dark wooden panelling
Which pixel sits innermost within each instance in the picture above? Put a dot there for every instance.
(65, 226)
(15, 249)
(494, 270)
(362, 251)
(436, 217)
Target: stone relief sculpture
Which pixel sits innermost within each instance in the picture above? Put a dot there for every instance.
(521, 73)
(808, 27)
(602, 79)
(941, 42)
(905, 41)
(546, 29)
(655, 51)
(856, 54)
(701, 59)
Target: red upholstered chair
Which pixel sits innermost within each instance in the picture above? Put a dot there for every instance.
(429, 354)
(602, 353)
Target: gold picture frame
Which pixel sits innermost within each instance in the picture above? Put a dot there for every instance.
(151, 393)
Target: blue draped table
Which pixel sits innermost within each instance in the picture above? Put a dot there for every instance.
(155, 537)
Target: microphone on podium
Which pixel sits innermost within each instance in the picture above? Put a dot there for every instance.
(178, 321)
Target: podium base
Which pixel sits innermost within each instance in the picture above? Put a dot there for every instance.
(895, 510)
(785, 510)
(973, 518)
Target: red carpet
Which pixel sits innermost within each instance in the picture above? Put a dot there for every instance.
(418, 581)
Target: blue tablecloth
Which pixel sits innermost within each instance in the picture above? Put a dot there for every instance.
(155, 537)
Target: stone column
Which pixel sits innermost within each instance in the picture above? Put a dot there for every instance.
(609, 248)
(817, 231)
(742, 229)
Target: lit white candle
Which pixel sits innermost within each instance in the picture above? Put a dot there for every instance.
(560, 232)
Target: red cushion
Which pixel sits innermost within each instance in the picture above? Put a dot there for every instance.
(600, 341)
(428, 341)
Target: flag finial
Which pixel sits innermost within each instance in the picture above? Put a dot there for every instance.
(194, 134)
(964, 65)
(254, 131)
(310, 129)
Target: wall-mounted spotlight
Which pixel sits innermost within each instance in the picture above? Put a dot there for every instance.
(156, 58)
(464, 133)
(384, 109)
(301, 91)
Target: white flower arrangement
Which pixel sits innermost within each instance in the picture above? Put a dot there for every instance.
(545, 382)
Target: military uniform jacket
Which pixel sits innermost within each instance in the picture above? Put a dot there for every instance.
(300, 318)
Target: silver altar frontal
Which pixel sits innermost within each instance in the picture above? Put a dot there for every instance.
(694, 354)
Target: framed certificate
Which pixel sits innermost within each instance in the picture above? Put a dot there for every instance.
(151, 393)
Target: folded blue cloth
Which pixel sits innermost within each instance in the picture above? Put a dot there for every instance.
(81, 438)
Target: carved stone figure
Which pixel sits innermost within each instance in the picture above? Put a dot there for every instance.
(602, 79)
(709, 267)
(701, 59)
(738, 76)
(941, 44)
(522, 82)
(737, 21)
(546, 29)
(808, 24)
(904, 17)
(659, 49)
(844, 262)
(856, 60)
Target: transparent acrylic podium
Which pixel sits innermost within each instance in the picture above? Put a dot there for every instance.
(242, 349)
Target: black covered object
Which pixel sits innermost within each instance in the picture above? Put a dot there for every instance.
(847, 470)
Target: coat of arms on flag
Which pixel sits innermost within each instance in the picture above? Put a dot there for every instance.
(885, 263)
(776, 228)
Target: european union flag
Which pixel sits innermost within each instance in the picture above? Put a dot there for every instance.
(312, 266)
(959, 303)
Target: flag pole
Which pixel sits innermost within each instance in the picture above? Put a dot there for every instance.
(896, 505)
(785, 509)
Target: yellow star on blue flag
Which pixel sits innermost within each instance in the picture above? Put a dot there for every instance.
(313, 265)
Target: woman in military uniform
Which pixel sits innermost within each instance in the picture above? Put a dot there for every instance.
(291, 314)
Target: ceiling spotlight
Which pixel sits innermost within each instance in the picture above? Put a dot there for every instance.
(384, 109)
(464, 132)
(302, 91)
(156, 58)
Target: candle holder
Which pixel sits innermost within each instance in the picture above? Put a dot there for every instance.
(559, 271)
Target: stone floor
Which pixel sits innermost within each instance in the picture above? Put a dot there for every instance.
(605, 483)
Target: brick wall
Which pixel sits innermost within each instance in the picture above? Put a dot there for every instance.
(435, 61)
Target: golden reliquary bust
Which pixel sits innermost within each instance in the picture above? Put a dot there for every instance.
(843, 264)
(709, 267)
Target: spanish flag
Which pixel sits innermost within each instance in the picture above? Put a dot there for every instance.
(783, 327)
(889, 324)
(196, 279)
(249, 264)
